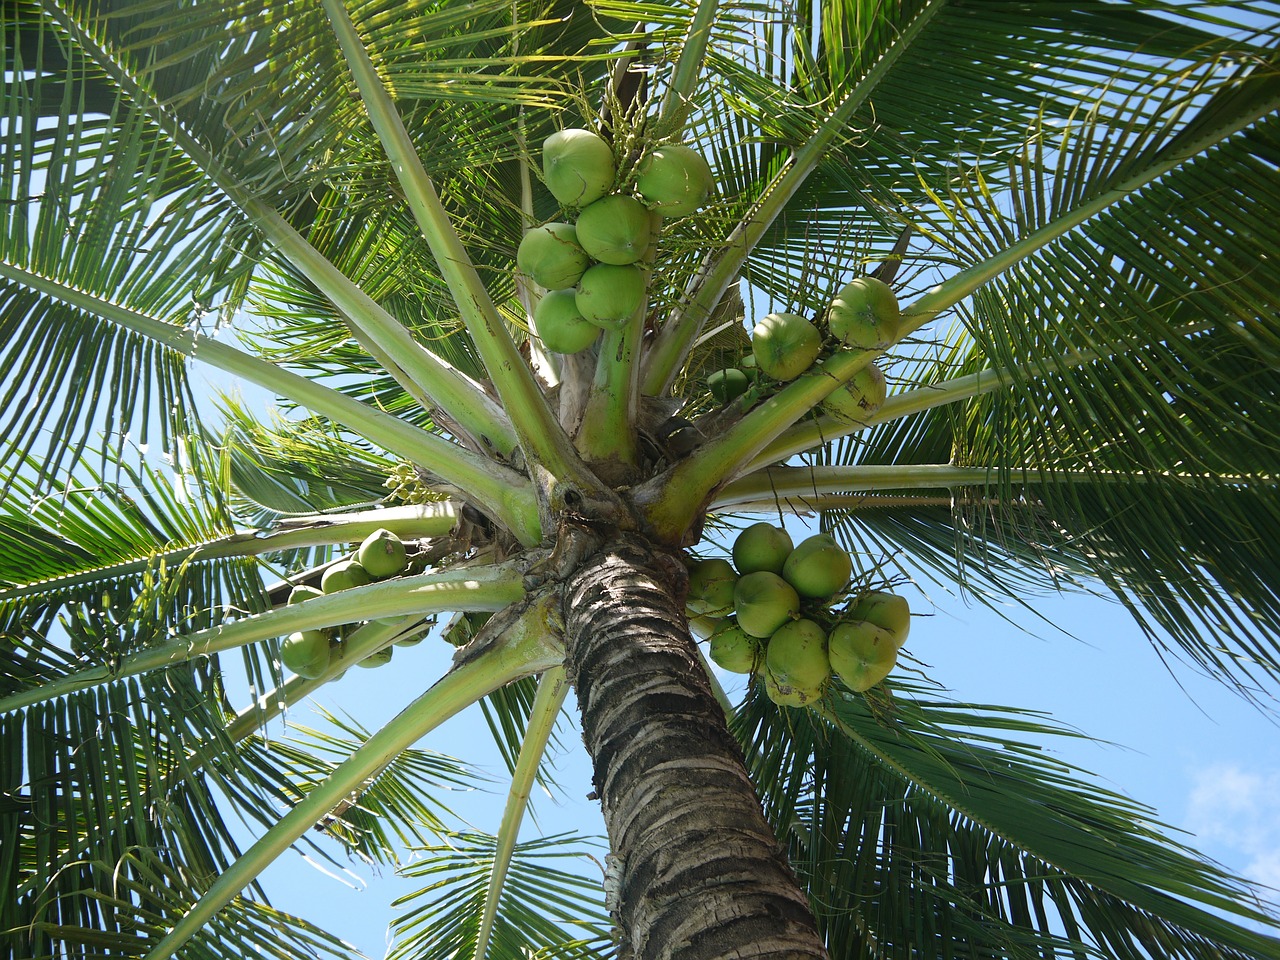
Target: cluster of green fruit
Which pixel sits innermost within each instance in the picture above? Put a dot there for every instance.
(864, 315)
(590, 267)
(381, 555)
(769, 613)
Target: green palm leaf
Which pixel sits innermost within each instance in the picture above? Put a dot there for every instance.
(545, 910)
(998, 848)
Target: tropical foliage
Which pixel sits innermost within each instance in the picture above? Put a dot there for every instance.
(1074, 204)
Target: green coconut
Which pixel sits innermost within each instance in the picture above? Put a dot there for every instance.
(711, 584)
(864, 315)
(377, 658)
(302, 593)
(561, 325)
(382, 554)
(861, 653)
(674, 180)
(343, 576)
(763, 602)
(818, 567)
(785, 345)
(733, 649)
(887, 610)
(857, 400)
(728, 384)
(306, 653)
(577, 166)
(615, 229)
(784, 695)
(551, 256)
(608, 294)
(796, 656)
(761, 546)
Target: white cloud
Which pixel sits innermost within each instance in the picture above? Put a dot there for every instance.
(1238, 811)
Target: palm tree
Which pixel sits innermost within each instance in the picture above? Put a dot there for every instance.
(1073, 203)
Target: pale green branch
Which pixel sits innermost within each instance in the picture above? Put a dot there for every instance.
(538, 431)
(523, 652)
(408, 522)
(500, 491)
(552, 689)
(677, 336)
(684, 78)
(468, 588)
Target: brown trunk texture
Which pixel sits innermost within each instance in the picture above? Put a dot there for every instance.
(700, 873)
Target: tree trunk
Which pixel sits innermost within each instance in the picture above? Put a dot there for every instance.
(699, 871)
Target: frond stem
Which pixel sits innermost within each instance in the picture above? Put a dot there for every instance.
(468, 588)
(503, 493)
(526, 652)
(721, 266)
(552, 689)
(677, 100)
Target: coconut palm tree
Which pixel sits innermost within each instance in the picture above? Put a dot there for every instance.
(1047, 229)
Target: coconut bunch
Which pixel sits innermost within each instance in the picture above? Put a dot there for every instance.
(769, 613)
(380, 556)
(590, 264)
(863, 315)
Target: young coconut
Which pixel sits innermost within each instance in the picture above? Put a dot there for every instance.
(614, 229)
(728, 384)
(382, 554)
(377, 658)
(561, 325)
(887, 610)
(763, 602)
(857, 400)
(796, 657)
(783, 696)
(761, 546)
(818, 567)
(861, 653)
(674, 180)
(864, 315)
(577, 166)
(551, 256)
(343, 576)
(608, 294)
(306, 653)
(785, 345)
(711, 584)
(302, 593)
(733, 649)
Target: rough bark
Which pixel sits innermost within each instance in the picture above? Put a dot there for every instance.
(700, 873)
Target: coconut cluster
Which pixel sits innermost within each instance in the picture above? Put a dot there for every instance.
(769, 612)
(591, 265)
(863, 315)
(380, 556)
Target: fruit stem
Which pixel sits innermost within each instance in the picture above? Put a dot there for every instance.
(723, 264)
(540, 435)
(501, 492)
(519, 653)
(552, 689)
(467, 588)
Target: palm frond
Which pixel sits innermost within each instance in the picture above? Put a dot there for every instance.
(546, 910)
(927, 827)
